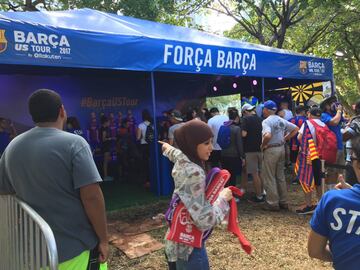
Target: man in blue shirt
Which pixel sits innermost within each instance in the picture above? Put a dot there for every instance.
(332, 117)
(337, 221)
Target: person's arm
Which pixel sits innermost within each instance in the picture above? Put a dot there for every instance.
(266, 135)
(301, 131)
(94, 205)
(239, 143)
(244, 127)
(138, 134)
(318, 247)
(291, 134)
(171, 136)
(291, 129)
(332, 121)
(336, 119)
(172, 153)
(13, 131)
(85, 179)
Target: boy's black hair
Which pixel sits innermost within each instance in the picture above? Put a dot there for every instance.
(214, 110)
(44, 106)
(299, 109)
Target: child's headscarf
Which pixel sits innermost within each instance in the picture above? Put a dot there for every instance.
(189, 136)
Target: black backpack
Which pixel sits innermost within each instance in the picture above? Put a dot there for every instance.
(149, 134)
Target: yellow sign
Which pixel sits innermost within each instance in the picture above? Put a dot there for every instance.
(3, 41)
(302, 93)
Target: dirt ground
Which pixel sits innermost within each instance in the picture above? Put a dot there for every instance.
(279, 240)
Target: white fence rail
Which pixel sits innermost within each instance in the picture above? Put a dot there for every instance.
(26, 240)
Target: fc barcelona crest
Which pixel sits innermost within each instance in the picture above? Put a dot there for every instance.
(303, 67)
(3, 41)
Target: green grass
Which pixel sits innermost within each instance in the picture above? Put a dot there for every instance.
(124, 195)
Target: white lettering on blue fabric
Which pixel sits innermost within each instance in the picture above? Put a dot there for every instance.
(202, 58)
(340, 213)
(41, 45)
(338, 219)
(354, 214)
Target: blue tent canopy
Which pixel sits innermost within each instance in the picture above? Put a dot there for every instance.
(87, 38)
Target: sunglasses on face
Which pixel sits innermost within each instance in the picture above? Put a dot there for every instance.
(352, 158)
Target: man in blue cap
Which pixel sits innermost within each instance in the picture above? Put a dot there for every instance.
(275, 132)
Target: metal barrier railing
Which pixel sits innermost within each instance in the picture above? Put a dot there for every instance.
(26, 240)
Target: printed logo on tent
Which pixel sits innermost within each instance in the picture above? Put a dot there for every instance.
(3, 41)
(303, 67)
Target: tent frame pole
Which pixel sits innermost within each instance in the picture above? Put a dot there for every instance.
(263, 89)
(333, 89)
(157, 165)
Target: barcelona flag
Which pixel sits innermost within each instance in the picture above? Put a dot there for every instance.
(303, 166)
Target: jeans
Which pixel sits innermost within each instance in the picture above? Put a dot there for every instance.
(198, 260)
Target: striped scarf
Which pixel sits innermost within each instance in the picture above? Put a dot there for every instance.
(303, 166)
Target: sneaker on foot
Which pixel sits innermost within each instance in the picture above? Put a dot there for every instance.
(255, 199)
(306, 210)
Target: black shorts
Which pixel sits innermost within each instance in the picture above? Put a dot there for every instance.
(293, 155)
(316, 165)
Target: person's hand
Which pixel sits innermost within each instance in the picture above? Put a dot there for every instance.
(226, 194)
(243, 162)
(165, 146)
(103, 249)
(263, 147)
(339, 107)
(342, 184)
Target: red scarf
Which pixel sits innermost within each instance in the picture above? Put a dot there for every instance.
(183, 230)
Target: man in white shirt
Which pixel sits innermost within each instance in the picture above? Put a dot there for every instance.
(284, 106)
(215, 122)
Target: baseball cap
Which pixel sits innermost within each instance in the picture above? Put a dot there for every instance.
(176, 115)
(247, 107)
(270, 105)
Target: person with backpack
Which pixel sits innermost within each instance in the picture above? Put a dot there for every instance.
(332, 116)
(352, 129)
(145, 136)
(215, 122)
(315, 125)
(275, 132)
(231, 143)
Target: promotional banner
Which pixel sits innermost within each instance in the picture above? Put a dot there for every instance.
(122, 94)
(119, 42)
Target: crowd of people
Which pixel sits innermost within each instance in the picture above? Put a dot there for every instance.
(55, 173)
(263, 147)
